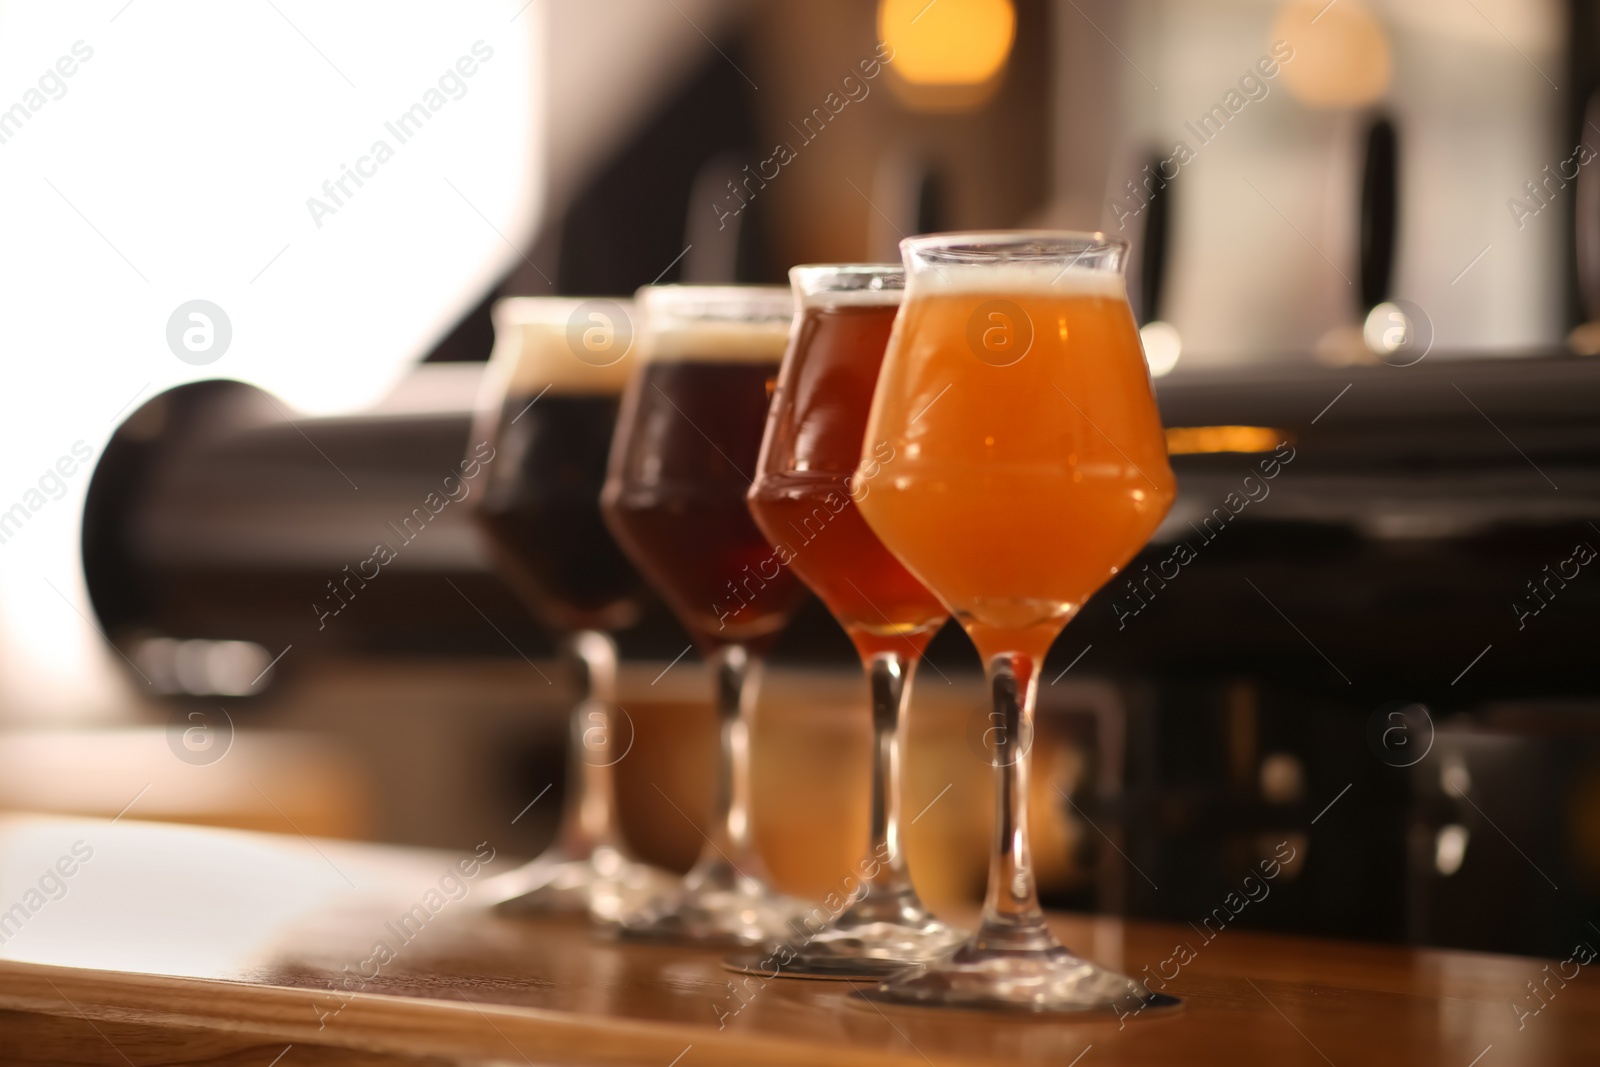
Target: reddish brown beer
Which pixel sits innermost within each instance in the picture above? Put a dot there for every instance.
(803, 499)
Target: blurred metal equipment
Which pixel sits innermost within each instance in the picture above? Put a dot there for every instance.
(216, 514)
(1346, 542)
(1406, 511)
(203, 668)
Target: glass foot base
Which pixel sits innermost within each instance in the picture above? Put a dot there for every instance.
(607, 886)
(873, 938)
(720, 908)
(768, 964)
(1051, 981)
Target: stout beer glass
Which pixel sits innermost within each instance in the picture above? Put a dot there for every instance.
(1029, 467)
(548, 405)
(684, 454)
(803, 500)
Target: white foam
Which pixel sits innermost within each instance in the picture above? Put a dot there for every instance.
(535, 349)
(714, 323)
(715, 342)
(1018, 279)
(826, 285)
(854, 298)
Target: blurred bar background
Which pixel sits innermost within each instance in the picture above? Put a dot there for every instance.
(1365, 244)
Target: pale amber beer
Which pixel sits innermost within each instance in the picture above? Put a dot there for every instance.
(1029, 462)
(1029, 466)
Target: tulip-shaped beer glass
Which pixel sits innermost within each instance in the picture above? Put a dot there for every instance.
(804, 502)
(548, 404)
(1029, 467)
(681, 463)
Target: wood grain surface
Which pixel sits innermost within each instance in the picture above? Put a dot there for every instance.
(172, 944)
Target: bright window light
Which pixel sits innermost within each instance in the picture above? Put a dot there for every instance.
(337, 183)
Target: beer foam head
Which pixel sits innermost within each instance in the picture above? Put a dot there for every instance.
(1014, 280)
(565, 344)
(1041, 264)
(714, 323)
(828, 285)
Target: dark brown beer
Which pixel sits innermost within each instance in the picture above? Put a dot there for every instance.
(550, 408)
(686, 449)
(550, 399)
(541, 509)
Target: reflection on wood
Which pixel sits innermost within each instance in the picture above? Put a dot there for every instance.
(168, 943)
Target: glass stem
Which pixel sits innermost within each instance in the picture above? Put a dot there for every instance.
(728, 853)
(888, 678)
(589, 816)
(1012, 919)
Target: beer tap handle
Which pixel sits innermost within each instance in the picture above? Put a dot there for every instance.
(1153, 248)
(1380, 203)
(1586, 221)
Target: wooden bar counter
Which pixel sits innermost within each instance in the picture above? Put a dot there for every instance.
(136, 943)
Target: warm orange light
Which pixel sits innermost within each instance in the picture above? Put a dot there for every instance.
(1341, 53)
(947, 44)
(1198, 440)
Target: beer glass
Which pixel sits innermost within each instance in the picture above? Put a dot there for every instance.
(547, 408)
(1029, 466)
(804, 502)
(681, 463)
